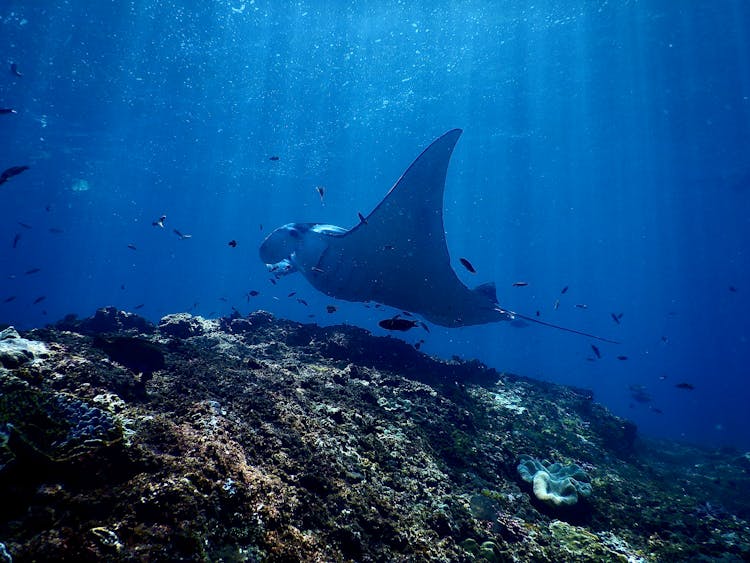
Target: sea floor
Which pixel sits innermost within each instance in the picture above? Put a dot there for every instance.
(259, 439)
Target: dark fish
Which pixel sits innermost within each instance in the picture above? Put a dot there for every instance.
(122, 286)
(9, 299)
(622, 358)
(520, 284)
(224, 299)
(302, 302)
(252, 293)
(397, 323)
(182, 236)
(159, 222)
(24, 225)
(538, 314)
(132, 247)
(8, 173)
(261, 226)
(596, 351)
(274, 158)
(139, 306)
(664, 339)
(39, 299)
(466, 264)
(14, 70)
(292, 294)
(582, 306)
(273, 281)
(16, 239)
(732, 289)
(615, 318)
(406, 314)
(657, 411)
(331, 308)
(233, 243)
(321, 190)
(3, 111)
(55, 230)
(48, 208)
(686, 386)
(361, 218)
(33, 271)
(563, 290)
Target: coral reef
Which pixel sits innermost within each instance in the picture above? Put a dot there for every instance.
(258, 439)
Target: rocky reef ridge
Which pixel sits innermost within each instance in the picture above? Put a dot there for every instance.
(258, 439)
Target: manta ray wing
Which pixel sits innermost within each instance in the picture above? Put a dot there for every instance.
(398, 254)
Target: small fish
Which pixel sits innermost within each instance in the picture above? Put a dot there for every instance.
(318, 270)
(582, 306)
(39, 299)
(361, 218)
(55, 230)
(685, 386)
(273, 281)
(274, 158)
(14, 70)
(388, 247)
(122, 286)
(302, 302)
(331, 308)
(557, 304)
(182, 236)
(662, 377)
(8, 173)
(732, 289)
(520, 284)
(16, 239)
(261, 226)
(48, 208)
(3, 111)
(538, 314)
(622, 358)
(9, 299)
(132, 247)
(664, 339)
(33, 271)
(564, 290)
(224, 299)
(466, 264)
(159, 222)
(406, 314)
(252, 293)
(657, 411)
(615, 318)
(596, 352)
(139, 306)
(232, 243)
(292, 294)
(397, 323)
(321, 191)
(24, 225)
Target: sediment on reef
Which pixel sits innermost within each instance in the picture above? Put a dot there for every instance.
(257, 439)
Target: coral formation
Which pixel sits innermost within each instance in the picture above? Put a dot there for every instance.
(555, 484)
(258, 439)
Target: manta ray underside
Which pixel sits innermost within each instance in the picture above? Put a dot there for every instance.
(397, 255)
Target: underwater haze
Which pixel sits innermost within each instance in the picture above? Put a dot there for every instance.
(606, 150)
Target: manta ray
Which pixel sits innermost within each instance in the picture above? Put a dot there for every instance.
(397, 255)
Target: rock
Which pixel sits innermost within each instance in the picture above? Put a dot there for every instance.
(16, 351)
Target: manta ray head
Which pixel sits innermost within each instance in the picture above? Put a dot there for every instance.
(296, 246)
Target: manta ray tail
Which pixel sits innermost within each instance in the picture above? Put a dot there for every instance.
(513, 315)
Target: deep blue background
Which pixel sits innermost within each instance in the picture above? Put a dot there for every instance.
(606, 148)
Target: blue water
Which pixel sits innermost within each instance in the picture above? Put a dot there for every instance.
(606, 148)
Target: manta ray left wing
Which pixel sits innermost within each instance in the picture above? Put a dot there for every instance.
(398, 254)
